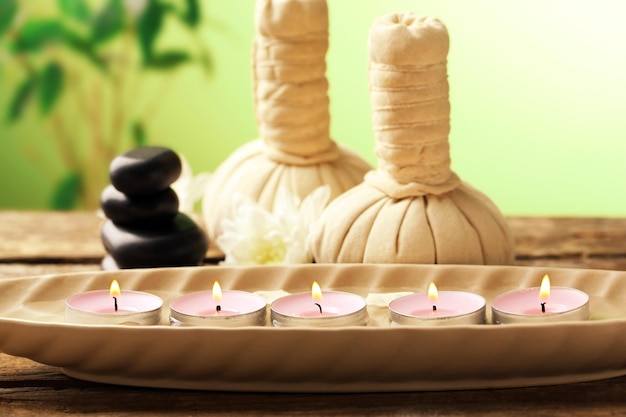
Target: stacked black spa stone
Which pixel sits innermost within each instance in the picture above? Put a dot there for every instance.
(144, 228)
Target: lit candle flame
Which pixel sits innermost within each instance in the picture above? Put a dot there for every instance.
(316, 291)
(433, 295)
(114, 292)
(316, 294)
(115, 289)
(217, 292)
(544, 291)
(217, 296)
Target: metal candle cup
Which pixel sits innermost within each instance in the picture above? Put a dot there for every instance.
(99, 307)
(450, 308)
(218, 308)
(525, 306)
(330, 309)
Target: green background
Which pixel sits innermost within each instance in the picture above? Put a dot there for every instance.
(537, 91)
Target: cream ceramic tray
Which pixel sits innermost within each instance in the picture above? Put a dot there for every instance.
(351, 359)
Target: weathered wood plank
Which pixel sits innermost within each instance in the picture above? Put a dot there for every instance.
(587, 238)
(28, 388)
(577, 242)
(50, 235)
(45, 236)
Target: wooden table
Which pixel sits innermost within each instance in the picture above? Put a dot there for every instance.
(34, 243)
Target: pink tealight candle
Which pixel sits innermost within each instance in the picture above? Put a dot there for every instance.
(218, 308)
(317, 309)
(113, 307)
(540, 304)
(438, 308)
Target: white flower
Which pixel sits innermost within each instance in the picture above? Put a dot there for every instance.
(190, 188)
(135, 7)
(255, 236)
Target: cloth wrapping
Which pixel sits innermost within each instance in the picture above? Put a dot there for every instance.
(292, 112)
(413, 208)
(291, 99)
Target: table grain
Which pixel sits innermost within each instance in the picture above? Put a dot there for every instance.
(37, 243)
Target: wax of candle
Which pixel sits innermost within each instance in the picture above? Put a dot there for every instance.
(438, 308)
(99, 307)
(545, 304)
(218, 308)
(330, 308)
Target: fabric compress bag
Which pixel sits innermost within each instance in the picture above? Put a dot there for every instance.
(294, 150)
(413, 208)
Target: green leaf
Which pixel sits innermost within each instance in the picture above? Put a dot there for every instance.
(192, 14)
(189, 16)
(76, 9)
(148, 25)
(168, 60)
(84, 48)
(207, 62)
(139, 134)
(108, 22)
(66, 193)
(37, 33)
(8, 9)
(21, 97)
(50, 86)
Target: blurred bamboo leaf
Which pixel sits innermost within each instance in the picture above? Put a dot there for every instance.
(149, 25)
(8, 8)
(84, 48)
(66, 193)
(108, 22)
(22, 95)
(207, 61)
(139, 134)
(50, 86)
(76, 9)
(37, 33)
(88, 29)
(168, 60)
(192, 13)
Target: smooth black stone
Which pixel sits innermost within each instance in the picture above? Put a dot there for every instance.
(145, 170)
(139, 210)
(177, 243)
(108, 264)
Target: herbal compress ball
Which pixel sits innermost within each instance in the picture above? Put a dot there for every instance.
(295, 150)
(413, 208)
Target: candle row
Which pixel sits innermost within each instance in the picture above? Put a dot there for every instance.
(330, 308)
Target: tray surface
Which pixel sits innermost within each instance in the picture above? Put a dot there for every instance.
(376, 357)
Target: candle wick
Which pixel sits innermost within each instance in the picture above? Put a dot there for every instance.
(218, 308)
(434, 308)
(115, 303)
(543, 307)
(319, 306)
